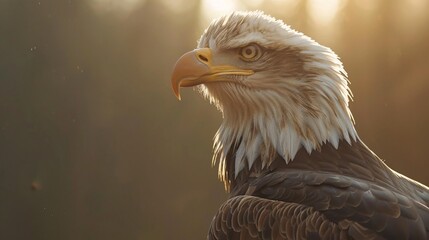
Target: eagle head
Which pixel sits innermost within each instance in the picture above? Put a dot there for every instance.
(278, 90)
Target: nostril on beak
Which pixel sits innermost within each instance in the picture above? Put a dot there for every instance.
(203, 58)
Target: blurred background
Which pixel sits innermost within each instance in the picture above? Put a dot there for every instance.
(94, 145)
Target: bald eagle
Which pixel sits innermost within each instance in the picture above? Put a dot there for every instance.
(287, 149)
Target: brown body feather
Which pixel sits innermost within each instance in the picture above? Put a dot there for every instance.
(344, 193)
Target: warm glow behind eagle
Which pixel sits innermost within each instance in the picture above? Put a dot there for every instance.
(287, 148)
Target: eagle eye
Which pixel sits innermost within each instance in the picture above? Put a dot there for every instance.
(250, 52)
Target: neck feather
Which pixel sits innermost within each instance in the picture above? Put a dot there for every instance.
(247, 136)
(305, 111)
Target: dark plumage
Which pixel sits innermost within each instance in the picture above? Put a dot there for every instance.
(330, 194)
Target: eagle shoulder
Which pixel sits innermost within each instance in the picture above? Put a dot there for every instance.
(336, 193)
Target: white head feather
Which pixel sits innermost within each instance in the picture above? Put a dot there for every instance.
(297, 98)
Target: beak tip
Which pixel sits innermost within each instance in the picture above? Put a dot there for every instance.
(176, 90)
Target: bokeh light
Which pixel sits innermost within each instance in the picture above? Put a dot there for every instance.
(254, 3)
(323, 12)
(368, 6)
(211, 9)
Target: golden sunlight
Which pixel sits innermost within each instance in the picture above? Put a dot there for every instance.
(211, 9)
(254, 3)
(284, 3)
(322, 12)
(282, 7)
(368, 5)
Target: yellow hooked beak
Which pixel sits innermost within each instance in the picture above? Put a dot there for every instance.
(195, 67)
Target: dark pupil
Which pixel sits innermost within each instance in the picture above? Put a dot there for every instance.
(249, 51)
